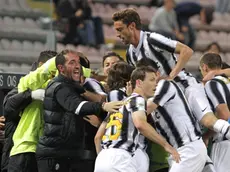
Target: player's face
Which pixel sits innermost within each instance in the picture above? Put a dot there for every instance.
(108, 63)
(71, 68)
(123, 31)
(149, 84)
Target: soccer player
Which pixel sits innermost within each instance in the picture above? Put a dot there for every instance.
(160, 49)
(121, 131)
(176, 123)
(218, 92)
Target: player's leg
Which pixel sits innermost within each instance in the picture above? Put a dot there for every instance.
(114, 160)
(220, 155)
(208, 165)
(142, 160)
(199, 104)
(193, 158)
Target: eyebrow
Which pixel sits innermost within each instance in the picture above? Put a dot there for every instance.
(119, 28)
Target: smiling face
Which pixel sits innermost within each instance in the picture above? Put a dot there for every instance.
(108, 63)
(71, 68)
(124, 32)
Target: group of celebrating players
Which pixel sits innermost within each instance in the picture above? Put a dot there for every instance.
(163, 104)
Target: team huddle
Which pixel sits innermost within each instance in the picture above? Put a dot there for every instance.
(146, 115)
(164, 104)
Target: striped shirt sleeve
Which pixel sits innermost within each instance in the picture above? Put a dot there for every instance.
(162, 42)
(137, 104)
(215, 93)
(116, 95)
(165, 91)
(94, 86)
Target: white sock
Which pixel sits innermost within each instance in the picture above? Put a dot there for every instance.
(223, 127)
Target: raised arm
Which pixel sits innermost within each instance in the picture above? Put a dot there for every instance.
(185, 54)
(36, 79)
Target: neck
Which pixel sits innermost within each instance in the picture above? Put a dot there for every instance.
(140, 92)
(136, 38)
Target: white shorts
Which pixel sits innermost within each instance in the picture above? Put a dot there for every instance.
(141, 159)
(197, 100)
(220, 155)
(208, 165)
(193, 158)
(114, 160)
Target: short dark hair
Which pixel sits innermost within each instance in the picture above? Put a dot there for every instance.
(212, 60)
(60, 58)
(147, 62)
(84, 61)
(208, 10)
(140, 73)
(119, 75)
(43, 57)
(110, 54)
(46, 55)
(127, 16)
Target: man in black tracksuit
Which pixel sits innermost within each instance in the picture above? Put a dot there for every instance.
(12, 105)
(62, 148)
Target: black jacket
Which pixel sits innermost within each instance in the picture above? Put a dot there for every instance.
(64, 110)
(13, 104)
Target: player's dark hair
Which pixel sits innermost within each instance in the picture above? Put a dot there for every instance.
(119, 75)
(212, 60)
(147, 62)
(84, 61)
(127, 16)
(140, 74)
(43, 57)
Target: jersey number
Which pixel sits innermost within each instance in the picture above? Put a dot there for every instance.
(113, 127)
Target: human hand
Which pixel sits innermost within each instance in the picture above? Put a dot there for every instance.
(175, 155)
(129, 89)
(38, 94)
(93, 120)
(210, 75)
(112, 106)
(78, 13)
(2, 120)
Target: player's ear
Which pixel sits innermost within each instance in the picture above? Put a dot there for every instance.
(205, 67)
(139, 83)
(132, 25)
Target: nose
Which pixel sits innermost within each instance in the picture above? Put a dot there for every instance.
(118, 34)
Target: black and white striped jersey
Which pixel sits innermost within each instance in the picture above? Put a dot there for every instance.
(218, 92)
(120, 130)
(161, 50)
(173, 117)
(117, 95)
(94, 86)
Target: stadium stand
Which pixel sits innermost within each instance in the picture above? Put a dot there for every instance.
(22, 36)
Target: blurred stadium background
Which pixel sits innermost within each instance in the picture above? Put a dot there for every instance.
(25, 31)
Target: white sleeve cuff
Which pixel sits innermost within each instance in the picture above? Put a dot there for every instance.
(79, 107)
